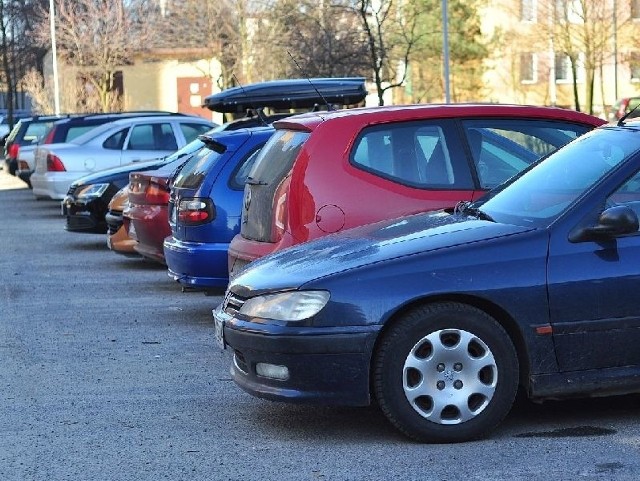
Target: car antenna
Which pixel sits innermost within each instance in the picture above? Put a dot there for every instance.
(257, 110)
(329, 107)
(625, 116)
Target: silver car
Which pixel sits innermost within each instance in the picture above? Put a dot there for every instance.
(116, 143)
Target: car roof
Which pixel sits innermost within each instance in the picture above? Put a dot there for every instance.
(398, 113)
(121, 123)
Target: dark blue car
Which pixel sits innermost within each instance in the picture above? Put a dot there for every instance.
(206, 205)
(441, 317)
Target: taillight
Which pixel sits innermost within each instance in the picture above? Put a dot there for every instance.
(280, 209)
(156, 194)
(13, 151)
(195, 211)
(54, 164)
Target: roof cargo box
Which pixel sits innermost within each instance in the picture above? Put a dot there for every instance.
(288, 94)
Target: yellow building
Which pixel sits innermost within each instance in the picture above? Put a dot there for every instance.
(529, 44)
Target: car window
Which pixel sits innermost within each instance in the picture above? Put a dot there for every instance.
(242, 172)
(191, 131)
(502, 148)
(415, 154)
(35, 131)
(74, 132)
(194, 171)
(116, 141)
(152, 137)
(276, 159)
(628, 194)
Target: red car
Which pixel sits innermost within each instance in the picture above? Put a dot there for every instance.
(324, 172)
(147, 210)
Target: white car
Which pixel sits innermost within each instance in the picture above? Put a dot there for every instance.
(116, 143)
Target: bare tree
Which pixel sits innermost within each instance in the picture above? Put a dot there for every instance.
(324, 38)
(98, 37)
(391, 32)
(218, 27)
(582, 31)
(17, 51)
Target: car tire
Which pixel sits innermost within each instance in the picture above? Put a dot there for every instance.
(445, 373)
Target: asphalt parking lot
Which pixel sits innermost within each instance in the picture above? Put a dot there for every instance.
(109, 372)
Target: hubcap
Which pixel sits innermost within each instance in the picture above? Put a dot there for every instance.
(450, 376)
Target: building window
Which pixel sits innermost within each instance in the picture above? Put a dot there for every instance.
(528, 68)
(635, 9)
(528, 10)
(569, 11)
(634, 66)
(563, 68)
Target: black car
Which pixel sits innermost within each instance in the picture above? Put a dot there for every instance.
(87, 201)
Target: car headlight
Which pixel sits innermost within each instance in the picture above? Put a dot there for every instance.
(92, 191)
(286, 306)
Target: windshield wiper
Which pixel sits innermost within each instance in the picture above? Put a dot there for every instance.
(252, 181)
(467, 208)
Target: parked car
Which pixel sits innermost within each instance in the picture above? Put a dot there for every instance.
(440, 317)
(196, 251)
(69, 128)
(625, 106)
(6, 126)
(203, 210)
(20, 144)
(320, 174)
(116, 143)
(87, 201)
(118, 239)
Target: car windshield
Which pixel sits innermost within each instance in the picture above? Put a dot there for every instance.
(541, 194)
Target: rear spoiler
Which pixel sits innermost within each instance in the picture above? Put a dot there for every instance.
(289, 94)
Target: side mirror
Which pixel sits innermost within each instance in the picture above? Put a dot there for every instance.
(613, 222)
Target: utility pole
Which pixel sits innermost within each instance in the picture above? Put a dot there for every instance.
(54, 55)
(445, 51)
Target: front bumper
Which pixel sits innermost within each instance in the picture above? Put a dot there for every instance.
(85, 216)
(197, 264)
(330, 366)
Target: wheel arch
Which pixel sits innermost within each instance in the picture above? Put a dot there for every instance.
(503, 318)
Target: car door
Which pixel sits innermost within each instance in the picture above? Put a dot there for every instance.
(594, 305)
(149, 140)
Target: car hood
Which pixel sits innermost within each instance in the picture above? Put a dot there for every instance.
(293, 267)
(107, 174)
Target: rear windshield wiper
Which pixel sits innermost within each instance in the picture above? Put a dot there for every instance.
(252, 181)
(467, 208)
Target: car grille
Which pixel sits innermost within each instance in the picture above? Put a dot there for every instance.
(232, 303)
(72, 190)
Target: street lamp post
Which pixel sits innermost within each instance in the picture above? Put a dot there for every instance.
(445, 51)
(54, 54)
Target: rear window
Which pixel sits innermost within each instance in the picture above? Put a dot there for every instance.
(195, 170)
(74, 132)
(191, 131)
(35, 131)
(277, 157)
